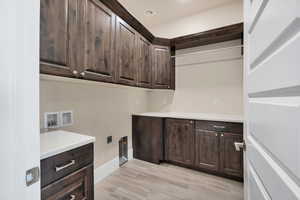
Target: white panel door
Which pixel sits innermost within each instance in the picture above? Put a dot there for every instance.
(272, 99)
(19, 98)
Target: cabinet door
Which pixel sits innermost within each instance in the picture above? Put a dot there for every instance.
(161, 67)
(147, 138)
(100, 41)
(126, 53)
(144, 63)
(61, 36)
(207, 150)
(180, 141)
(231, 160)
(79, 186)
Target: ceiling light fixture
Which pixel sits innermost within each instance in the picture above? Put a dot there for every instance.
(150, 13)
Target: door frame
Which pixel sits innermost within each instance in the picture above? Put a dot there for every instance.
(19, 97)
(245, 95)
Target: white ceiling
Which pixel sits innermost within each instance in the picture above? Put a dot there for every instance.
(168, 10)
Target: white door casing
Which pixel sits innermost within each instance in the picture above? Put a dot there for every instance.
(272, 99)
(19, 98)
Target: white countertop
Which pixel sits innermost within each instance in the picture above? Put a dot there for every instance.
(196, 116)
(56, 142)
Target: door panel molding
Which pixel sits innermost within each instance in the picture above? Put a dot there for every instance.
(258, 190)
(277, 182)
(257, 8)
(268, 118)
(276, 18)
(286, 74)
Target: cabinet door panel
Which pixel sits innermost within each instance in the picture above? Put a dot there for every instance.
(231, 160)
(161, 67)
(76, 34)
(126, 47)
(207, 150)
(54, 31)
(144, 63)
(61, 36)
(100, 38)
(180, 138)
(147, 138)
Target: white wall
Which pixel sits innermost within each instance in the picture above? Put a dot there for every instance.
(214, 86)
(100, 110)
(210, 19)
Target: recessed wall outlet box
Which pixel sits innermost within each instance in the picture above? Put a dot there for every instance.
(109, 139)
(52, 120)
(66, 118)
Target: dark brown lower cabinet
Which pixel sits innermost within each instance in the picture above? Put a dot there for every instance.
(203, 145)
(179, 141)
(215, 148)
(75, 186)
(147, 138)
(207, 150)
(231, 161)
(69, 175)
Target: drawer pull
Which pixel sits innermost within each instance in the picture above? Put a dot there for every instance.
(72, 162)
(73, 197)
(219, 127)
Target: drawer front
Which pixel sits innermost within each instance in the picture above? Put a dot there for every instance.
(219, 126)
(63, 164)
(76, 186)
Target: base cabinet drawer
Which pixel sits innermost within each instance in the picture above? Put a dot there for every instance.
(76, 186)
(56, 167)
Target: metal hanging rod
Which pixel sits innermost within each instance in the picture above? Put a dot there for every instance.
(211, 61)
(208, 51)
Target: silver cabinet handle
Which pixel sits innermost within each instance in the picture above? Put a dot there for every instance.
(239, 146)
(222, 135)
(73, 197)
(216, 134)
(219, 127)
(72, 162)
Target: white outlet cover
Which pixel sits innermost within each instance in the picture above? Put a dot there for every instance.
(66, 118)
(52, 120)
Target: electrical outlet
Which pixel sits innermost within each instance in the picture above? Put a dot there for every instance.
(109, 139)
(52, 120)
(66, 118)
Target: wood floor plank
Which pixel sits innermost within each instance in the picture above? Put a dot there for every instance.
(138, 180)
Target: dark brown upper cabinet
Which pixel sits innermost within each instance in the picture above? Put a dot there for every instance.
(85, 39)
(161, 67)
(231, 161)
(61, 37)
(144, 62)
(126, 53)
(180, 141)
(207, 150)
(100, 43)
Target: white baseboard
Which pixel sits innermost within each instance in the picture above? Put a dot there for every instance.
(130, 154)
(109, 167)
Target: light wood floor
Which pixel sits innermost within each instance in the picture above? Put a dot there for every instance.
(139, 180)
